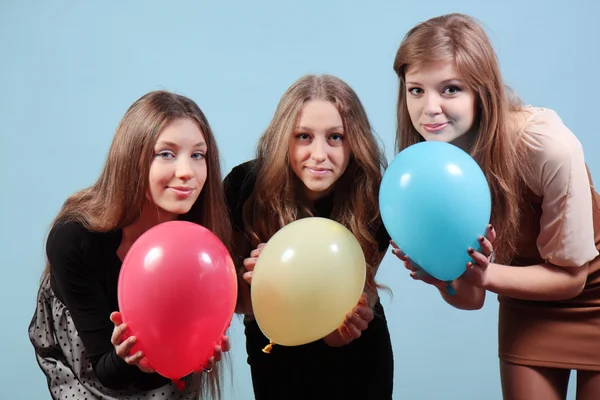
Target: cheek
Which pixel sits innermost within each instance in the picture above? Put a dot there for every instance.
(413, 110)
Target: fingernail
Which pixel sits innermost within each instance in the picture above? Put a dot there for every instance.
(471, 251)
(480, 239)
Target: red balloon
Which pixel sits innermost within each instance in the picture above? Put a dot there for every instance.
(177, 293)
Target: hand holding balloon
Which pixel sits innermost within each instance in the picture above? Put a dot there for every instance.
(416, 272)
(355, 322)
(476, 269)
(250, 262)
(124, 344)
(221, 348)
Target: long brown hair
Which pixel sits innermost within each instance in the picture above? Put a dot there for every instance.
(117, 198)
(277, 199)
(497, 148)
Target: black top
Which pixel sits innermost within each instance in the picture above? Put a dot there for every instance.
(84, 273)
(362, 369)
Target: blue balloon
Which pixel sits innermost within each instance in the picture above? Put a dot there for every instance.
(435, 202)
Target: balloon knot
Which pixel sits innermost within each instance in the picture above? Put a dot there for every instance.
(268, 348)
(449, 289)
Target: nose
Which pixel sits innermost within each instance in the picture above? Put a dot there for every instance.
(319, 150)
(184, 169)
(433, 104)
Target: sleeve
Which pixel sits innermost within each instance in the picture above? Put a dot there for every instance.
(559, 176)
(82, 294)
(238, 186)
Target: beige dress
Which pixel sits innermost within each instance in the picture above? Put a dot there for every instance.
(560, 225)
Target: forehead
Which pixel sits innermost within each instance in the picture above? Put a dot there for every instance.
(320, 112)
(182, 131)
(437, 71)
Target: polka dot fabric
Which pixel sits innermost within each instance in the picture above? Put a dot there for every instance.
(61, 356)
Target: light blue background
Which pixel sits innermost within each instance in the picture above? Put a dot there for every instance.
(69, 70)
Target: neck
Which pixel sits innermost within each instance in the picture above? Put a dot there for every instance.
(151, 216)
(466, 141)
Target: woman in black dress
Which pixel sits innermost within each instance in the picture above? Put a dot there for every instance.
(318, 157)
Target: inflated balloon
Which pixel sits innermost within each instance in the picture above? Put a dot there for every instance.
(177, 293)
(435, 202)
(309, 275)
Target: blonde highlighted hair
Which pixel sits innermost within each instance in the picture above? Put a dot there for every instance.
(462, 40)
(278, 198)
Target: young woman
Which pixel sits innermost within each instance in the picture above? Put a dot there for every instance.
(163, 164)
(318, 157)
(541, 256)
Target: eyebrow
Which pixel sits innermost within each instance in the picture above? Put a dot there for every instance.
(171, 144)
(447, 81)
(304, 128)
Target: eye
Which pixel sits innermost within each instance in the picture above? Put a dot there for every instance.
(303, 136)
(451, 90)
(338, 137)
(165, 154)
(198, 156)
(415, 91)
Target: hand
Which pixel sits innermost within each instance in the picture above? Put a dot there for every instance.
(415, 271)
(476, 269)
(250, 262)
(221, 348)
(123, 344)
(355, 322)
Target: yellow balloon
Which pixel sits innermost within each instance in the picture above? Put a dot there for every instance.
(309, 275)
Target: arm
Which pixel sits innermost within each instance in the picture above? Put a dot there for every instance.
(542, 282)
(244, 301)
(83, 295)
(566, 237)
(465, 297)
(237, 187)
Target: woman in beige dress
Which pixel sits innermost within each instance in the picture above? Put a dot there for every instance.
(540, 255)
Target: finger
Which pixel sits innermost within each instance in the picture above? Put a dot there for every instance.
(145, 366)
(117, 335)
(408, 264)
(249, 263)
(134, 359)
(486, 246)
(491, 233)
(248, 277)
(256, 252)
(124, 349)
(356, 321)
(363, 299)
(260, 246)
(116, 318)
(210, 363)
(225, 344)
(352, 330)
(218, 354)
(478, 258)
(364, 313)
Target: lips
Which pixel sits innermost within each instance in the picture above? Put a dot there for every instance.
(181, 191)
(434, 127)
(318, 170)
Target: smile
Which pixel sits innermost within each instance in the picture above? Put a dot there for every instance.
(181, 191)
(434, 127)
(318, 171)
